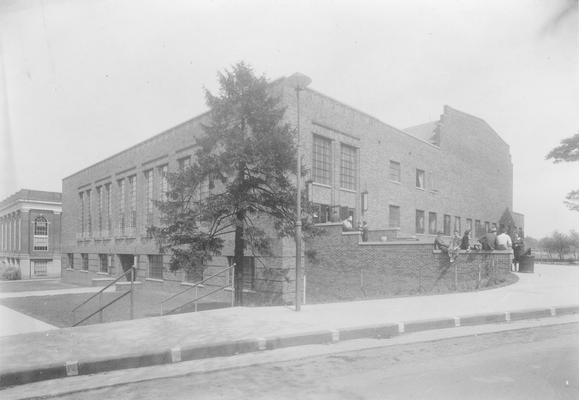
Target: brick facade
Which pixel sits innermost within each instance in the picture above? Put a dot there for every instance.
(340, 267)
(30, 228)
(467, 173)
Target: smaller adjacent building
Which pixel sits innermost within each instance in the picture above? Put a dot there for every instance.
(30, 233)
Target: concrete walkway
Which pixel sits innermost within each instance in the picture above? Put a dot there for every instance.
(13, 323)
(54, 292)
(89, 349)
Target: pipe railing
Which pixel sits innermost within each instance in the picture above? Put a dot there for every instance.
(99, 294)
(196, 287)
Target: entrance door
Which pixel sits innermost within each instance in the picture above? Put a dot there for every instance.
(127, 261)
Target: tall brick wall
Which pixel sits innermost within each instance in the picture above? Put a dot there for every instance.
(340, 267)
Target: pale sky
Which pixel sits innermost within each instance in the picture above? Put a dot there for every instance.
(81, 80)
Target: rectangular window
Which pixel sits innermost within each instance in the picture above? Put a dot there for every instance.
(419, 221)
(487, 227)
(132, 220)
(419, 179)
(478, 228)
(122, 202)
(104, 263)
(322, 160)
(108, 208)
(70, 257)
(163, 182)
(184, 163)
(394, 216)
(40, 267)
(395, 171)
(469, 224)
(84, 258)
(321, 213)
(432, 223)
(494, 226)
(89, 212)
(156, 266)
(348, 168)
(81, 219)
(447, 225)
(248, 271)
(149, 197)
(100, 196)
(457, 225)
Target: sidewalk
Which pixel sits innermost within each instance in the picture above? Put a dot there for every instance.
(89, 349)
(54, 292)
(13, 323)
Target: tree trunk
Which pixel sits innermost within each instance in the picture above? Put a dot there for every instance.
(238, 253)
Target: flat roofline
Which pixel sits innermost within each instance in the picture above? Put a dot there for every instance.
(166, 131)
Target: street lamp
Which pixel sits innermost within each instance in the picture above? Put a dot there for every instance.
(298, 82)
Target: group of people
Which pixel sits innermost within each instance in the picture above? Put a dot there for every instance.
(489, 241)
(362, 227)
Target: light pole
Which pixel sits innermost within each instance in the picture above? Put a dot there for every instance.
(299, 82)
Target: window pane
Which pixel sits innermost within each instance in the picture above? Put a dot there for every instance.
(394, 217)
(419, 221)
(457, 227)
(420, 179)
(447, 225)
(432, 226)
(156, 266)
(322, 160)
(394, 171)
(348, 168)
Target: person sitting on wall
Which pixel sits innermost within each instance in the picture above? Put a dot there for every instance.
(465, 241)
(488, 240)
(347, 224)
(503, 241)
(454, 248)
(440, 243)
(364, 230)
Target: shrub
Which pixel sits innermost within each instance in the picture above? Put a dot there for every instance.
(10, 273)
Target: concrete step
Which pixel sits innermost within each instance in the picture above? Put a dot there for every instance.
(124, 285)
(99, 282)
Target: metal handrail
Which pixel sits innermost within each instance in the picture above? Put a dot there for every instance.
(197, 284)
(103, 289)
(194, 300)
(102, 308)
(131, 270)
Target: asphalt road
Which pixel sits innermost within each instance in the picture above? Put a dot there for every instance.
(537, 363)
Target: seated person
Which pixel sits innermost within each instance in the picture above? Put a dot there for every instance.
(347, 224)
(503, 241)
(488, 240)
(440, 242)
(465, 242)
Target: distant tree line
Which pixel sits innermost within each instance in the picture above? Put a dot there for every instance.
(557, 246)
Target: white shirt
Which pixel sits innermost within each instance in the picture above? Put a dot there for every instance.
(504, 241)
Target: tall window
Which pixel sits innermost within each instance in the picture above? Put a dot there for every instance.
(348, 168)
(122, 200)
(163, 182)
(420, 179)
(321, 213)
(469, 224)
(104, 263)
(394, 216)
(40, 234)
(108, 207)
(395, 171)
(70, 257)
(89, 212)
(84, 258)
(100, 197)
(419, 221)
(457, 227)
(132, 220)
(487, 226)
(81, 219)
(322, 160)
(447, 225)
(149, 197)
(432, 223)
(478, 228)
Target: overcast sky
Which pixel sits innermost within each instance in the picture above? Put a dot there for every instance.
(83, 79)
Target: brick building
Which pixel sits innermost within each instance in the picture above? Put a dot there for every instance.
(30, 233)
(454, 173)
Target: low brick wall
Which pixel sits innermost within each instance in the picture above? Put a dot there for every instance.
(339, 267)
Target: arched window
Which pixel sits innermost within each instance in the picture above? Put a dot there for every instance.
(40, 234)
(40, 226)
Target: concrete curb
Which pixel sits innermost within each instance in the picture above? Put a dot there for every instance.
(229, 348)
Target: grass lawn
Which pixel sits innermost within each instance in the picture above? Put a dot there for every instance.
(57, 310)
(34, 285)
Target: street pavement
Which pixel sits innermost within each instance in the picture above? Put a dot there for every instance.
(142, 342)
